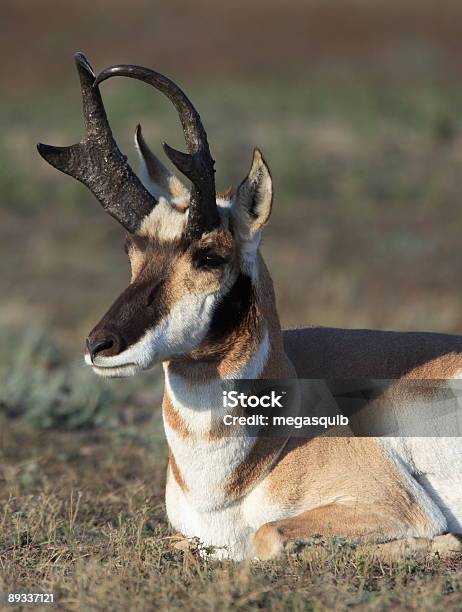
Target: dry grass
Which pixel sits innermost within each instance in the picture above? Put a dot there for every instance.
(82, 515)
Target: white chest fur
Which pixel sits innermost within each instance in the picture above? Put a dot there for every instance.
(227, 525)
(202, 507)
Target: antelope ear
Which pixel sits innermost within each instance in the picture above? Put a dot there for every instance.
(254, 198)
(157, 179)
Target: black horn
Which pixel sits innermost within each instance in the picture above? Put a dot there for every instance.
(97, 162)
(197, 164)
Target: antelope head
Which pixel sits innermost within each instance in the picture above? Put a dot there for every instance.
(193, 254)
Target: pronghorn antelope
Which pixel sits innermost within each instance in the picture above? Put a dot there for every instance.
(201, 301)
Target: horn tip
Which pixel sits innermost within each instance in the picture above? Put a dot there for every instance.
(45, 150)
(52, 155)
(183, 161)
(170, 151)
(82, 62)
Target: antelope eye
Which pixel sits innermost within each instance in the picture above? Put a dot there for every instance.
(208, 260)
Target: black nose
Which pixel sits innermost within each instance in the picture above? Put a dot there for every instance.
(109, 344)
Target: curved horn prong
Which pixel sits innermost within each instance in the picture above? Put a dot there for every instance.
(197, 164)
(97, 162)
(181, 160)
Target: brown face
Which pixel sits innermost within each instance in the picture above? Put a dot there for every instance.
(168, 308)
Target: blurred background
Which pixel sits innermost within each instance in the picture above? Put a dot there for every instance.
(357, 106)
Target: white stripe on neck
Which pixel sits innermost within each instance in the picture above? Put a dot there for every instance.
(198, 403)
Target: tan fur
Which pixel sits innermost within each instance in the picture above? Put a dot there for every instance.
(231, 355)
(258, 463)
(288, 536)
(333, 461)
(172, 464)
(277, 365)
(185, 277)
(137, 261)
(441, 546)
(355, 518)
(173, 418)
(442, 367)
(227, 194)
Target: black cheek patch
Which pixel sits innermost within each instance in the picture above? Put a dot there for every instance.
(232, 309)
